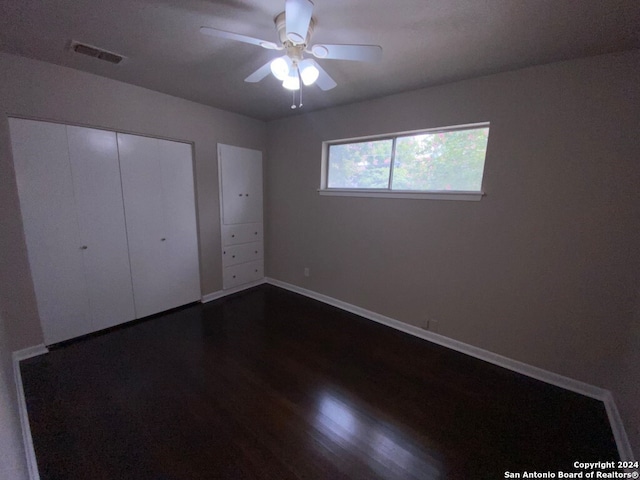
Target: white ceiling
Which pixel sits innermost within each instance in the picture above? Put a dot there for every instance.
(425, 42)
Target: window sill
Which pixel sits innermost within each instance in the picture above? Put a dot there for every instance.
(433, 195)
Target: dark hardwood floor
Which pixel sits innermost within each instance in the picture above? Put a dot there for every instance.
(267, 384)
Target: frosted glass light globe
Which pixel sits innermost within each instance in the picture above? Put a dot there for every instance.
(308, 72)
(280, 68)
(292, 81)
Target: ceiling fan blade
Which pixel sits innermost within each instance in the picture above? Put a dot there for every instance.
(214, 32)
(358, 53)
(324, 81)
(298, 17)
(260, 73)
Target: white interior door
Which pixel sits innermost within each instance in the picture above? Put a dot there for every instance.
(241, 183)
(98, 194)
(144, 215)
(159, 202)
(176, 166)
(40, 154)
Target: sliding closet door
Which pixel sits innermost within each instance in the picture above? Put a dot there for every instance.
(96, 178)
(45, 187)
(144, 212)
(176, 168)
(157, 183)
(110, 225)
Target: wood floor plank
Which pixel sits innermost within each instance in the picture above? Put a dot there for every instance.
(267, 384)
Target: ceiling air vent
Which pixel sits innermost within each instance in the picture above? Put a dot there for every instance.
(96, 52)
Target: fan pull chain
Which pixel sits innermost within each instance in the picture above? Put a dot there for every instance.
(300, 82)
(293, 93)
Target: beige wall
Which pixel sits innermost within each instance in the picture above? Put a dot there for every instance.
(40, 90)
(543, 270)
(627, 376)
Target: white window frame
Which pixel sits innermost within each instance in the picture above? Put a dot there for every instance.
(387, 192)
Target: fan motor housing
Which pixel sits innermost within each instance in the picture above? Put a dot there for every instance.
(281, 28)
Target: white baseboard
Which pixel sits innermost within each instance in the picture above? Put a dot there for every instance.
(620, 435)
(209, 297)
(487, 356)
(18, 356)
(29, 352)
(617, 426)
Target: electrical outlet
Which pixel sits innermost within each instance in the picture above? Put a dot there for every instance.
(306, 271)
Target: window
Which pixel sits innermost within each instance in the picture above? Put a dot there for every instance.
(441, 163)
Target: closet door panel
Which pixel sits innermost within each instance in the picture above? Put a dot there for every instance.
(41, 162)
(96, 177)
(144, 216)
(241, 178)
(176, 166)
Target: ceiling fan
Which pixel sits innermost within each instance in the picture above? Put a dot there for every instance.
(295, 27)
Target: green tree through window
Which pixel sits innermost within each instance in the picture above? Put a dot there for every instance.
(451, 160)
(360, 165)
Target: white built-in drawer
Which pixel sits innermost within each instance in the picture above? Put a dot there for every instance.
(242, 273)
(241, 233)
(244, 252)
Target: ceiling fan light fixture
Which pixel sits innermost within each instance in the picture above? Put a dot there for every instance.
(280, 67)
(292, 81)
(295, 27)
(309, 73)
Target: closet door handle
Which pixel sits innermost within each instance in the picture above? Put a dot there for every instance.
(162, 239)
(83, 247)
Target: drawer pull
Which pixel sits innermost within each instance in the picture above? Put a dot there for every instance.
(239, 194)
(234, 276)
(233, 256)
